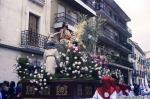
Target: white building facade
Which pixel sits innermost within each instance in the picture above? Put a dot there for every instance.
(137, 58)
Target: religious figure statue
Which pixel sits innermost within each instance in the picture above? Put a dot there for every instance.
(50, 57)
(65, 35)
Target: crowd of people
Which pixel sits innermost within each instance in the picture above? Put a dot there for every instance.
(9, 90)
(112, 89)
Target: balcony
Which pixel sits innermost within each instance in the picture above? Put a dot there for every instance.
(121, 27)
(121, 61)
(39, 2)
(63, 17)
(81, 6)
(108, 39)
(32, 40)
(89, 3)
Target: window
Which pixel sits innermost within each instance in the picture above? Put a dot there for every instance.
(33, 23)
(33, 30)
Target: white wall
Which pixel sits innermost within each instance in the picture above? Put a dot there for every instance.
(14, 17)
(7, 60)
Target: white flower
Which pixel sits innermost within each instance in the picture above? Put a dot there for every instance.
(86, 69)
(40, 80)
(74, 51)
(96, 65)
(63, 54)
(51, 78)
(44, 83)
(73, 64)
(34, 76)
(78, 67)
(61, 71)
(30, 74)
(48, 73)
(44, 80)
(41, 88)
(99, 72)
(75, 57)
(76, 62)
(27, 57)
(78, 72)
(76, 48)
(81, 75)
(61, 64)
(67, 62)
(75, 71)
(74, 77)
(35, 89)
(46, 87)
(20, 71)
(41, 70)
(34, 66)
(68, 50)
(25, 69)
(35, 71)
(92, 61)
(67, 58)
(36, 82)
(67, 74)
(40, 84)
(69, 68)
(90, 71)
(27, 63)
(79, 63)
(79, 52)
(33, 80)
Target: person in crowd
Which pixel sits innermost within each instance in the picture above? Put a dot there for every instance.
(12, 90)
(1, 90)
(19, 90)
(107, 90)
(5, 88)
(136, 89)
(131, 91)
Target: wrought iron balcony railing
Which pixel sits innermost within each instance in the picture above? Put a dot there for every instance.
(121, 61)
(40, 2)
(109, 35)
(89, 3)
(30, 39)
(63, 17)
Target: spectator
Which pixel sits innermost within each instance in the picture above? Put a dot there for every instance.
(11, 91)
(5, 87)
(19, 90)
(0, 90)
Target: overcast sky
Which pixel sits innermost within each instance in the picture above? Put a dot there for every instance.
(139, 12)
